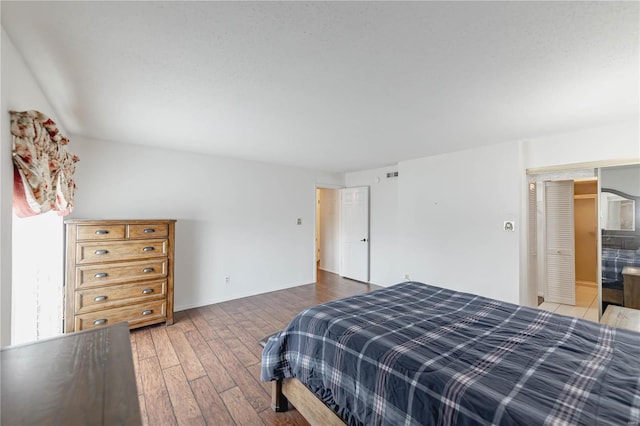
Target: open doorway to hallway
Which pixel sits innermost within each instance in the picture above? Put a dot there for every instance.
(328, 230)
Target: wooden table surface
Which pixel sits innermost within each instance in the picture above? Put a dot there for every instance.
(83, 378)
(617, 316)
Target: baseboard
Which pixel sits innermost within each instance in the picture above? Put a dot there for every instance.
(328, 270)
(587, 284)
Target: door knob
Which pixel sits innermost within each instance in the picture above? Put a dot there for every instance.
(364, 240)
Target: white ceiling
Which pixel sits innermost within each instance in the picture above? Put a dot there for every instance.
(336, 86)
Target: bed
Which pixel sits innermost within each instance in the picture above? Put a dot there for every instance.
(418, 354)
(614, 261)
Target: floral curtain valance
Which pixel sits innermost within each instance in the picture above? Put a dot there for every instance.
(43, 169)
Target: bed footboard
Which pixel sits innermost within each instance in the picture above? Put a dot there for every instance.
(311, 408)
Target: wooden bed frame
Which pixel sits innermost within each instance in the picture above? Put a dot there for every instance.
(306, 402)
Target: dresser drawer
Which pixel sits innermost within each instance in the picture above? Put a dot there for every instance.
(113, 273)
(149, 231)
(100, 232)
(115, 296)
(136, 315)
(108, 251)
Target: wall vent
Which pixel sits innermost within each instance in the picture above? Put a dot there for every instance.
(392, 174)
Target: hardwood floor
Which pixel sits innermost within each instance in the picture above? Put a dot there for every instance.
(205, 369)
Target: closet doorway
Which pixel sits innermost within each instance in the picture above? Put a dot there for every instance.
(564, 204)
(586, 232)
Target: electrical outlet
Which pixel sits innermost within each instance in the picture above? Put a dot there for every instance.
(299, 221)
(227, 279)
(509, 225)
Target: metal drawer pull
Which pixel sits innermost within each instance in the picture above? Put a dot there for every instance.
(100, 298)
(148, 248)
(147, 270)
(147, 291)
(101, 251)
(147, 312)
(148, 230)
(101, 232)
(100, 321)
(101, 275)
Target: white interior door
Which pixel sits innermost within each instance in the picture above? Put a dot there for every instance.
(355, 233)
(560, 242)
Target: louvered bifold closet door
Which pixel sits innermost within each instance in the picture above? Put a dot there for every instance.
(560, 257)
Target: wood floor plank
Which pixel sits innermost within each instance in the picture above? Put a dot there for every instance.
(144, 344)
(288, 418)
(255, 370)
(188, 358)
(211, 405)
(203, 326)
(250, 385)
(164, 349)
(143, 410)
(184, 403)
(156, 396)
(246, 356)
(184, 323)
(235, 401)
(217, 356)
(215, 369)
(136, 365)
(225, 333)
(268, 322)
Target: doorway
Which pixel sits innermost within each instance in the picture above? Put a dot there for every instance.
(354, 233)
(586, 245)
(328, 230)
(563, 217)
(586, 232)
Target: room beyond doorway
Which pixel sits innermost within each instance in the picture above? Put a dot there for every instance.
(328, 230)
(586, 232)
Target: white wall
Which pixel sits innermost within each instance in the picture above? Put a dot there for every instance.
(329, 221)
(452, 209)
(235, 218)
(442, 221)
(383, 222)
(617, 141)
(19, 92)
(624, 178)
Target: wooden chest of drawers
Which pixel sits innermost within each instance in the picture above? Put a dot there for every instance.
(118, 270)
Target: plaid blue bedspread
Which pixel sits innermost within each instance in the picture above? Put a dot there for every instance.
(414, 354)
(614, 260)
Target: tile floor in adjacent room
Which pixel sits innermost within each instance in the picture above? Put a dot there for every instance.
(586, 304)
